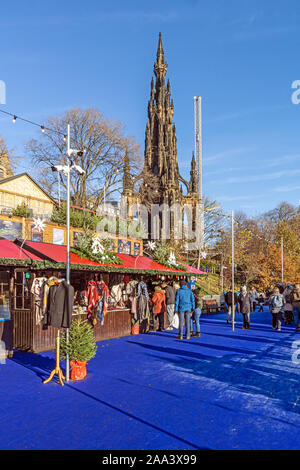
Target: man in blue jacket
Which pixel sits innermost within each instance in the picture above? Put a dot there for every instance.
(184, 304)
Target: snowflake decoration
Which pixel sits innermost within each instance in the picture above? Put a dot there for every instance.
(97, 246)
(172, 259)
(151, 246)
(39, 224)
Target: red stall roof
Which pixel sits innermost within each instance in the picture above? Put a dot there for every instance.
(58, 253)
(10, 250)
(191, 269)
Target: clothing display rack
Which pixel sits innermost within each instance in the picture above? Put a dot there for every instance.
(57, 369)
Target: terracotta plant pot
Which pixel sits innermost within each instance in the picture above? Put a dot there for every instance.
(135, 329)
(78, 370)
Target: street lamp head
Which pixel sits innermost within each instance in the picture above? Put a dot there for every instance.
(78, 169)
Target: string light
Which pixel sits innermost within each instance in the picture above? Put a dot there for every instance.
(42, 127)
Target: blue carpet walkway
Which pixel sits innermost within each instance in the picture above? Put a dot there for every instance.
(225, 390)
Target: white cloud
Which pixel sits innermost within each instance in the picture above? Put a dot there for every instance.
(258, 177)
(226, 154)
(283, 188)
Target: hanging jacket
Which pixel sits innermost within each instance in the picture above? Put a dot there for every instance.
(143, 307)
(103, 292)
(93, 297)
(59, 305)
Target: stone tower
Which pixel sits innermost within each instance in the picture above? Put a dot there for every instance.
(160, 155)
(160, 138)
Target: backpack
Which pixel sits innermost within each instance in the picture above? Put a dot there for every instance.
(276, 301)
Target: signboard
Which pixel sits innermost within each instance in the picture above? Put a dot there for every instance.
(137, 249)
(58, 236)
(75, 237)
(124, 246)
(10, 229)
(36, 236)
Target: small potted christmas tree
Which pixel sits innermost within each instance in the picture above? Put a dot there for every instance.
(81, 347)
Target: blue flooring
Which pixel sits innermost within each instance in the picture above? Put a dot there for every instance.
(226, 390)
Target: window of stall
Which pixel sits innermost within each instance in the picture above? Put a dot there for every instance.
(4, 295)
(22, 284)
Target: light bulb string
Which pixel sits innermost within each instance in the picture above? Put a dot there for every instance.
(41, 126)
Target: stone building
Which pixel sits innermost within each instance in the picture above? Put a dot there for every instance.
(160, 158)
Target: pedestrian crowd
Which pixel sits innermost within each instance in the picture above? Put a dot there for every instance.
(283, 302)
(184, 306)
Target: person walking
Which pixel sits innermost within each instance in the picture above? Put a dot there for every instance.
(261, 302)
(170, 303)
(254, 297)
(159, 306)
(276, 305)
(184, 304)
(228, 300)
(245, 306)
(295, 299)
(197, 313)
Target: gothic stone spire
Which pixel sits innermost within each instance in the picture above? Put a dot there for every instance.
(160, 137)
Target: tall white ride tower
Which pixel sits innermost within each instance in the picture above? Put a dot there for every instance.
(198, 142)
(198, 157)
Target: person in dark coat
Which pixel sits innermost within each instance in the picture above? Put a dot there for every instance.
(245, 306)
(170, 303)
(228, 300)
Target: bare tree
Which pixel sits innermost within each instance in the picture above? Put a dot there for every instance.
(8, 160)
(103, 145)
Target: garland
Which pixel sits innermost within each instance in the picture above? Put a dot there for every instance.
(163, 256)
(105, 258)
(37, 265)
(91, 247)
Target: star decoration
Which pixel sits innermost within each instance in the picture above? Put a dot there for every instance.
(39, 224)
(151, 246)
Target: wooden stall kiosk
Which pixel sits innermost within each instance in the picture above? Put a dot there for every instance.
(14, 297)
(47, 259)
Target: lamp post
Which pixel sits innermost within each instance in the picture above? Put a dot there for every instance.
(232, 268)
(281, 259)
(66, 169)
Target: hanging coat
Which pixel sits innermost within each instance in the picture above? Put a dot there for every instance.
(60, 305)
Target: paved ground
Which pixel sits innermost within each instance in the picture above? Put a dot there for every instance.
(225, 390)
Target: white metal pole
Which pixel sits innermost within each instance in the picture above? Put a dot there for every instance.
(281, 259)
(232, 269)
(68, 246)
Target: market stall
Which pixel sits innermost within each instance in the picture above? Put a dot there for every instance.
(34, 263)
(14, 260)
(119, 279)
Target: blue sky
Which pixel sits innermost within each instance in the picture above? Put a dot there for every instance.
(240, 56)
